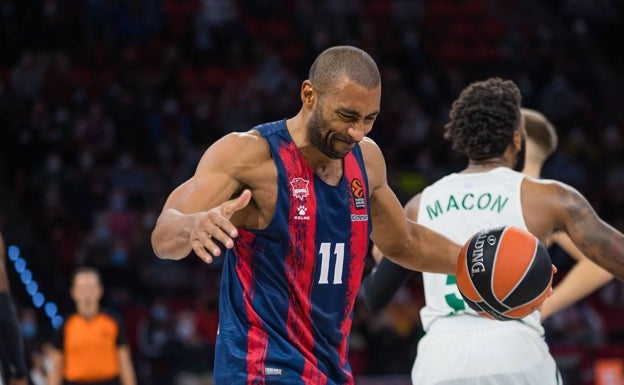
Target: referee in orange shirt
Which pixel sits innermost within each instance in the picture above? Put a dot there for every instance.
(91, 348)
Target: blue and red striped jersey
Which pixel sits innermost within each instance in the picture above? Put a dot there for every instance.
(287, 291)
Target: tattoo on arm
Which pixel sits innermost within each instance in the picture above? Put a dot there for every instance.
(600, 242)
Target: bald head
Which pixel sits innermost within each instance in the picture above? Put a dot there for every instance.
(344, 61)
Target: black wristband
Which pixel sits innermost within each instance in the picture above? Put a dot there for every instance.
(383, 282)
(11, 342)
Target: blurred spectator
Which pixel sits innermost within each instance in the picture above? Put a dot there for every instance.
(29, 325)
(39, 365)
(155, 332)
(27, 77)
(191, 356)
(95, 132)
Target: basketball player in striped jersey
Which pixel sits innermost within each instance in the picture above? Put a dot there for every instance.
(461, 347)
(294, 203)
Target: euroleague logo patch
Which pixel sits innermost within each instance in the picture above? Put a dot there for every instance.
(357, 189)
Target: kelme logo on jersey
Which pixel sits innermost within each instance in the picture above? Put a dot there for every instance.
(358, 193)
(301, 211)
(300, 188)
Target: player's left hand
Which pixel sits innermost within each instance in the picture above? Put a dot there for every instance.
(213, 227)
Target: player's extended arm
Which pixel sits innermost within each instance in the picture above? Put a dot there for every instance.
(400, 239)
(582, 280)
(595, 238)
(11, 343)
(126, 369)
(197, 212)
(380, 286)
(11, 338)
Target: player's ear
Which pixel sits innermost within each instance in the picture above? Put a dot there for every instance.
(517, 139)
(519, 135)
(308, 94)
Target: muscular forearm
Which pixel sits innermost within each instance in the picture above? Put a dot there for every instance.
(583, 279)
(170, 238)
(611, 255)
(428, 251)
(435, 253)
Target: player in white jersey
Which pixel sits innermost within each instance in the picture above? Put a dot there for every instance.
(461, 347)
(458, 205)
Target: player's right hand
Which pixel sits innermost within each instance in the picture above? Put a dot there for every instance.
(213, 226)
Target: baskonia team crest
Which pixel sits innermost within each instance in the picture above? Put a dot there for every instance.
(357, 189)
(300, 188)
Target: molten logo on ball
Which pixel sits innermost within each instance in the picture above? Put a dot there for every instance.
(504, 273)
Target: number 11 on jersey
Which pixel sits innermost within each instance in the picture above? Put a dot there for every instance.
(326, 252)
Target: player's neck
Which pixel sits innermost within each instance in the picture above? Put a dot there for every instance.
(328, 169)
(532, 170)
(484, 165)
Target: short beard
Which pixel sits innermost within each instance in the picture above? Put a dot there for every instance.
(315, 127)
(521, 156)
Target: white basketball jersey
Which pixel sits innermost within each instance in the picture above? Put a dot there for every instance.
(457, 206)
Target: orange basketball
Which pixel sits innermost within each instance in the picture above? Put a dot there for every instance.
(504, 273)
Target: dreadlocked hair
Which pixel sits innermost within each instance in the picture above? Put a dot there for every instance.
(484, 118)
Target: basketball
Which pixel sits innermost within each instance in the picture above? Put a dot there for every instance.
(504, 273)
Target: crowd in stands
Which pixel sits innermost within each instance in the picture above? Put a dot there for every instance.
(106, 105)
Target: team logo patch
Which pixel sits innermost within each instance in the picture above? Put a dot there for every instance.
(300, 188)
(357, 189)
